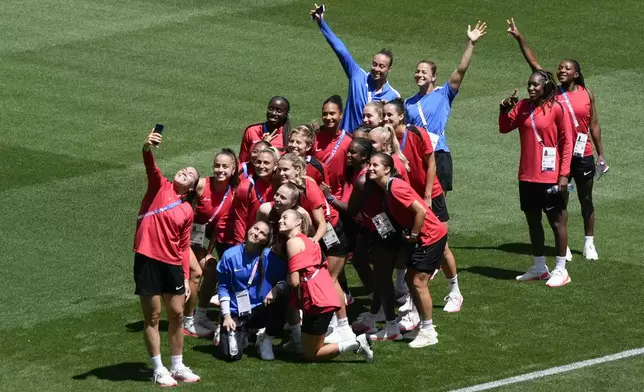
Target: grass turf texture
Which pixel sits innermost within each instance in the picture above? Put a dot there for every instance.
(84, 80)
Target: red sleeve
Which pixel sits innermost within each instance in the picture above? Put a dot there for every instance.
(508, 121)
(184, 243)
(565, 136)
(246, 146)
(325, 175)
(402, 193)
(427, 143)
(240, 211)
(314, 195)
(155, 177)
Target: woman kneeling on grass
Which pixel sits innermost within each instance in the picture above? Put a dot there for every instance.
(314, 292)
(162, 261)
(251, 281)
(423, 233)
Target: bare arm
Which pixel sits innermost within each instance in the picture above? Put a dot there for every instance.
(595, 130)
(456, 78)
(529, 56)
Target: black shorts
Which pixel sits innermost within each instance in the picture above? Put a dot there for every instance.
(351, 229)
(316, 324)
(582, 169)
(439, 208)
(444, 169)
(341, 248)
(534, 197)
(153, 277)
(427, 259)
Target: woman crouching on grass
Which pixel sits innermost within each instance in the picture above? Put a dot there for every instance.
(424, 235)
(314, 292)
(162, 261)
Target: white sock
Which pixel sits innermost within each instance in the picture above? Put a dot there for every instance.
(334, 321)
(343, 322)
(426, 325)
(296, 333)
(590, 240)
(561, 262)
(540, 262)
(401, 285)
(348, 345)
(188, 320)
(453, 285)
(156, 362)
(177, 362)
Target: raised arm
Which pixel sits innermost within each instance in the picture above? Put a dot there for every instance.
(595, 130)
(529, 56)
(348, 63)
(473, 35)
(155, 177)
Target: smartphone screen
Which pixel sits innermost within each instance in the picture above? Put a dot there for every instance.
(158, 129)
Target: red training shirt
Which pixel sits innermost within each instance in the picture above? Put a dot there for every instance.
(399, 198)
(334, 162)
(415, 149)
(208, 203)
(255, 133)
(555, 130)
(249, 196)
(580, 102)
(313, 198)
(164, 236)
(316, 170)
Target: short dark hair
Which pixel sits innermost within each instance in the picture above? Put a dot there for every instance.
(387, 53)
(334, 99)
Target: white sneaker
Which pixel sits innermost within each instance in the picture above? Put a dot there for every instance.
(216, 335)
(424, 338)
(388, 332)
(365, 348)
(558, 278)
(184, 374)
(568, 254)
(409, 321)
(590, 253)
(195, 329)
(164, 378)
(340, 334)
(265, 348)
(365, 323)
(534, 274)
(408, 305)
(215, 300)
(453, 303)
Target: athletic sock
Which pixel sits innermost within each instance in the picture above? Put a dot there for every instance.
(540, 262)
(426, 325)
(296, 333)
(343, 322)
(561, 262)
(589, 240)
(156, 362)
(177, 362)
(348, 345)
(401, 285)
(453, 285)
(188, 320)
(334, 321)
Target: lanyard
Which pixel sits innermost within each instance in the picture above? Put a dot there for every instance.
(221, 204)
(255, 265)
(159, 210)
(257, 194)
(368, 93)
(335, 148)
(264, 128)
(534, 127)
(245, 169)
(423, 119)
(404, 140)
(570, 109)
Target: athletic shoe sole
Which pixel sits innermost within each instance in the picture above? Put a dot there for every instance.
(544, 276)
(565, 282)
(458, 309)
(373, 338)
(188, 333)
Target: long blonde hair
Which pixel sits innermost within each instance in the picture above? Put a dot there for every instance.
(390, 142)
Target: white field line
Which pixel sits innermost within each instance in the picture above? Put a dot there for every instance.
(551, 371)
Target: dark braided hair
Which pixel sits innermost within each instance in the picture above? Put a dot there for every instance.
(366, 149)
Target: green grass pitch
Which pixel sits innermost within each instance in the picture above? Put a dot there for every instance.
(84, 80)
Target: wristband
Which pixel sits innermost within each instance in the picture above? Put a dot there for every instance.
(224, 307)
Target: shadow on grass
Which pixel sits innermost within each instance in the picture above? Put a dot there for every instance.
(492, 272)
(126, 371)
(520, 248)
(281, 355)
(138, 326)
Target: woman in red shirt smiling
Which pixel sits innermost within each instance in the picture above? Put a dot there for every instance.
(276, 129)
(546, 150)
(162, 261)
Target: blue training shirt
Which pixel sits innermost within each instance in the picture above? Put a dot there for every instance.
(361, 85)
(436, 107)
(234, 271)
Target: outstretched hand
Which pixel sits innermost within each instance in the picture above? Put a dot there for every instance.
(153, 139)
(315, 15)
(512, 28)
(478, 32)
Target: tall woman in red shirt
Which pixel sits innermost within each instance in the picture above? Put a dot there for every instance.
(314, 292)
(546, 151)
(214, 221)
(424, 235)
(580, 103)
(275, 130)
(162, 261)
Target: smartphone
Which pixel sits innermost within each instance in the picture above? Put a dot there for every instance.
(319, 11)
(158, 129)
(600, 170)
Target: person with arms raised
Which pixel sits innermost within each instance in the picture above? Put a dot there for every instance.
(363, 87)
(546, 151)
(162, 261)
(580, 102)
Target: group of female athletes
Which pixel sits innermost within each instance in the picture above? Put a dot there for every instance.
(369, 184)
